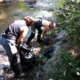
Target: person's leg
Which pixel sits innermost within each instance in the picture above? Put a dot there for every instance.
(30, 38)
(17, 68)
(39, 35)
(11, 50)
(32, 34)
(6, 45)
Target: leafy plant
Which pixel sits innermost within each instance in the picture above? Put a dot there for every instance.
(68, 68)
(71, 23)
(42, 58)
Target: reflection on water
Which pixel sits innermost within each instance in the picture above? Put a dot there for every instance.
(5, 16)
(6, 13)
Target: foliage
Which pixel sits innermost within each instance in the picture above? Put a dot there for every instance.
(70, 22)
(41, 58)
(60, 2)
(68, 68)
(49, 32)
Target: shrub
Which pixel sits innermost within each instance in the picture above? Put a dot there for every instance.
(68, 68)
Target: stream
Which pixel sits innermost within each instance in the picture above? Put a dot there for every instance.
(11, 11)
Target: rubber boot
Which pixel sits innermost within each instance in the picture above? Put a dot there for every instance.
(17, 68)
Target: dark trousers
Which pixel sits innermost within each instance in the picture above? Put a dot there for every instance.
(33, 34)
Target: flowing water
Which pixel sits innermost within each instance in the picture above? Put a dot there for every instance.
(7, 10)
(5, 17)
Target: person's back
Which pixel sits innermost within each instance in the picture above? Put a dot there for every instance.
(13, 31)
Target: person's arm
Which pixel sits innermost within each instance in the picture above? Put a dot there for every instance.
(45, 24)
(45, 31)
(23, 31)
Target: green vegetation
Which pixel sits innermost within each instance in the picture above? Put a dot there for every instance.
(67, 66)
(22, 6)
(71, 24)
(41, 58)
(60, 3)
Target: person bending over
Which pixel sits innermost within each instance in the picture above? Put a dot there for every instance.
(37, 24)
(12, 37)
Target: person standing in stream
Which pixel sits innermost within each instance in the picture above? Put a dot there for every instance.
(12, 37)
(37, 24)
